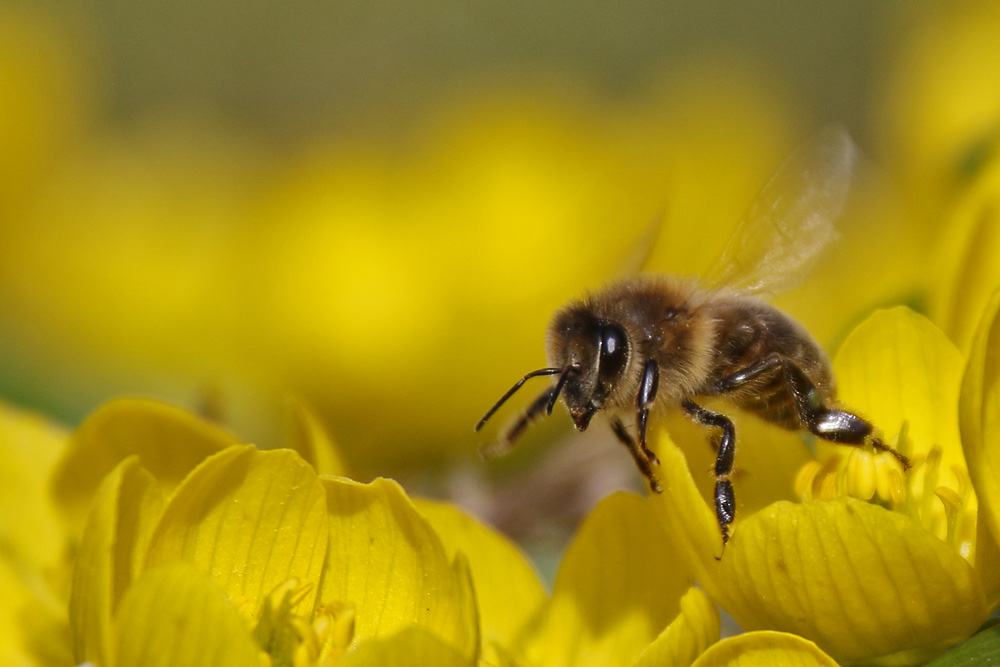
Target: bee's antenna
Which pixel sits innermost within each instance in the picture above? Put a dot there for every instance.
(517, 385)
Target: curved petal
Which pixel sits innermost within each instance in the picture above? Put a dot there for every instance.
(175, 615)
(305, 434)
(898, 366)
(987, 558)
(415, 645)
(386, 561)
(618, 586)
(980, 416)
(169, 441)
(825, 569)
(857, 579)
(34, 629)
(764, 649)
(690, 523)
(688, 636)
(966, 271)
(29, 448)
(507, 587)
(125, 509)
(251, 519)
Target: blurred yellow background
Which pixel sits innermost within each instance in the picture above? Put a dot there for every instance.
(375, 207)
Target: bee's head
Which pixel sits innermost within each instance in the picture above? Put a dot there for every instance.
(594, 355)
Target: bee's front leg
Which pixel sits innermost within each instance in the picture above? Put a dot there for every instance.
(644, 464)
(509, 436)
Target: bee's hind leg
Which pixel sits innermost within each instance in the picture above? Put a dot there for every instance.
(725, 501)
(833, 424)
(508, 438)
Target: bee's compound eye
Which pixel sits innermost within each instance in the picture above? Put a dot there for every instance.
(614, 351)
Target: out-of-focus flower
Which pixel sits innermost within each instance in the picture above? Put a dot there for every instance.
(763, 649)
(919, 559)
(939, 118)
(31, 543)
(177, 254)
(251, 554)
(44, 103)
(395, 269)
(966, 270)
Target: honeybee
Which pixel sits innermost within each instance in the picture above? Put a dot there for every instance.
(650, 343)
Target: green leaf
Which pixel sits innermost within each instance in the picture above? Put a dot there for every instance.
(980, 650)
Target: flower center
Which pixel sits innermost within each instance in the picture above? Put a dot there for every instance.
(289, 637)
(940, 498)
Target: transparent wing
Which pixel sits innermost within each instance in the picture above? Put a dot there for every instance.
(792, 220)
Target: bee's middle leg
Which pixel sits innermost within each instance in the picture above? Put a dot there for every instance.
(725, 501)
(644, 401)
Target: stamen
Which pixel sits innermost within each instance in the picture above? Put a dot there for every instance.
(897, 484)
(931, 476)
(828, 487)
(334, 625)
(804, 479)
(860, 474)
(952, 509)
(890, 481)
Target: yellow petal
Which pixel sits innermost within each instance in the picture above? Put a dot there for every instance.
(415, 645)
(826, 570)
(967, 270)
(897, 366)
(169, 441)
(29, 446)
(251, 519)
(823, 569)
(617, 588)
(987, 558)
(691, 524)
(306, 435)
(764, 649)
(34, 630)
(175, 615)
(124, 511)
(980, 411)
(388, 563)
(507, 588)
(688, 636)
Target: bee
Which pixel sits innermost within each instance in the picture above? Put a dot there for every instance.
(650, 343)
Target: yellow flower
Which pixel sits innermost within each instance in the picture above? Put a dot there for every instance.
(44, 101)
(198, 550)
(966, 269)
(763, 649)
(939, 116)
(32, 615)
(909, 572)
(621, 598)
(253, 555)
